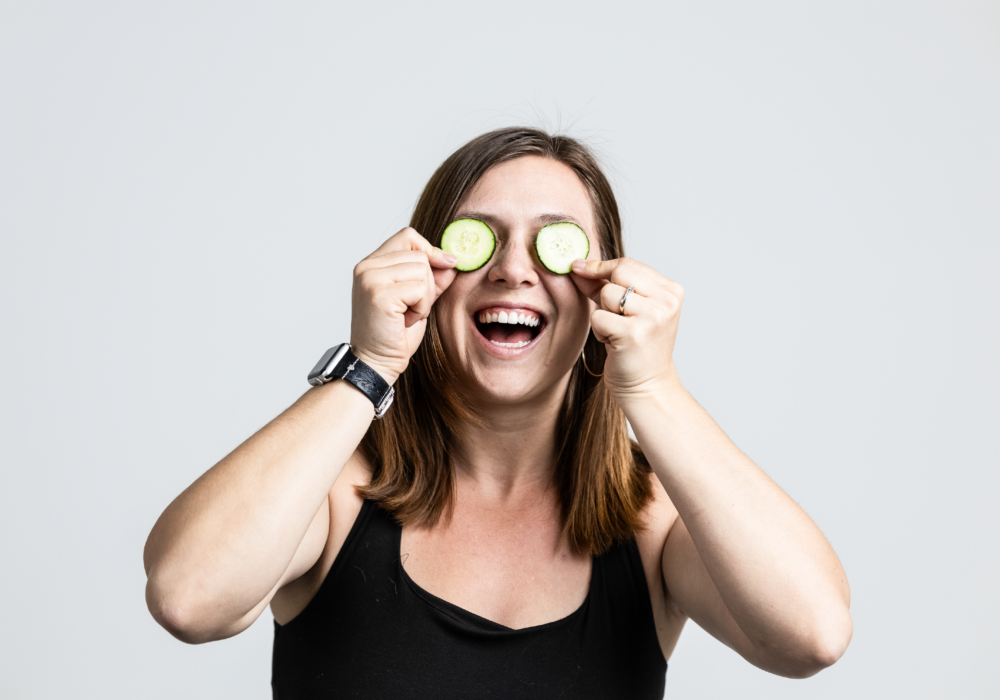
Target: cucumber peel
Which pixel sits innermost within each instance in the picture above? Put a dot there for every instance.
(558, 245)
(471, 241)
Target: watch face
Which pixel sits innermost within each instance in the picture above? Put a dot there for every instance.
(321, 372)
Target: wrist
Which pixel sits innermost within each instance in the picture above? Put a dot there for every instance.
(341, 363)
(384, 370)
(658, 393)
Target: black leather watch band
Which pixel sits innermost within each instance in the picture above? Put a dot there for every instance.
(340, 363)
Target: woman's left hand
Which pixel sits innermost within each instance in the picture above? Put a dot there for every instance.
(639, 337)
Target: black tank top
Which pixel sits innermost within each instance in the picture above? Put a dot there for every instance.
(371, 632)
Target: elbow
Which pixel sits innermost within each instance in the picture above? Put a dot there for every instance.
(179, 615)
(820, 648)
(833, 642)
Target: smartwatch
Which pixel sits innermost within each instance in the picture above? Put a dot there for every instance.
(340, 363)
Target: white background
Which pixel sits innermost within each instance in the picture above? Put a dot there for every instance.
(186, 186)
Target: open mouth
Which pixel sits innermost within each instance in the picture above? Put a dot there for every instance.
(509, 328)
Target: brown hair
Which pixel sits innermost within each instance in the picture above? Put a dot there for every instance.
(601, 475)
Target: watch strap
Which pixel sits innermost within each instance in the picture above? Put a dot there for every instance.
(352, 370)
(367, 381)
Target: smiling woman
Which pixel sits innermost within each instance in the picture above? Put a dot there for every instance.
(497, 532)
(518, 182)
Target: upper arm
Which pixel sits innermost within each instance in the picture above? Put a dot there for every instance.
(690, 587)
(306, 556)
(314, 559)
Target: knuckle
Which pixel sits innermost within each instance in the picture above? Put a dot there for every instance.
(413, 235)
(368, 283)
(639, 333)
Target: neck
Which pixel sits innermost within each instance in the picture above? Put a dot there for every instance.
(513, 454)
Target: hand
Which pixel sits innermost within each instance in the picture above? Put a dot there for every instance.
(640, 342)
(394, 289)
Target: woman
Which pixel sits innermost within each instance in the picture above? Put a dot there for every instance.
(496, 532)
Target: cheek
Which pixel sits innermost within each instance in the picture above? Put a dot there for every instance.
(450, 313)
(576, 311)
(448, 324)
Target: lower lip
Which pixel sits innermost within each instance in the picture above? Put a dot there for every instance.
(500, 351)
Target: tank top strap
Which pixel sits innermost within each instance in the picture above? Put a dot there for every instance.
(621, 609)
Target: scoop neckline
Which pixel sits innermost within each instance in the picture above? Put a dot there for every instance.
(478, 622)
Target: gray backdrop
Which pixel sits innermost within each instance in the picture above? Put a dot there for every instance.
(185, 188)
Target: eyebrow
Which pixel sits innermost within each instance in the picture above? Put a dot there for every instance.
(542, 219)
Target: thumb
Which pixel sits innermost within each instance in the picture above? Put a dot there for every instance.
(590, 288)
(442, 280)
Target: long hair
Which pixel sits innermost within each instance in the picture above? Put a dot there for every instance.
(602, 477)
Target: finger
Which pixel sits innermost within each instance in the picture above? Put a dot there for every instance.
(608, 327)
(409, 239)
(438, 280)
(624, 272)
(404, 239)
(395, 257)
(413, 297)
(441, 259)
(596, 269)
(403, 272)
(443, 280)
(416, 272)
(611, 300)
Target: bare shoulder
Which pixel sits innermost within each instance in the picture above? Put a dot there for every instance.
(658, 518)
(343, 504)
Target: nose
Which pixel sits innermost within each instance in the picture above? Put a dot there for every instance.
(514, 265)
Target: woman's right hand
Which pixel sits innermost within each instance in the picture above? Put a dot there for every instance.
(394, 289)
(263, 516)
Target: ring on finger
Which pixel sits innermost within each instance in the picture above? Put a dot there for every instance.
(621, 304)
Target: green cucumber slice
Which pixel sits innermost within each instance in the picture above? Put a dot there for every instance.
(471, 241)
(558, 245)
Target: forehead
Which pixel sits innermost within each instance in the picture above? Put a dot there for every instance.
(531, 189)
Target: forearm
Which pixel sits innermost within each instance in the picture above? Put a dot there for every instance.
(776, 573)
(224, 543)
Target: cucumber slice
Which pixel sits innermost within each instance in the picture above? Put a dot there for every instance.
(558, 245)
(471, 241)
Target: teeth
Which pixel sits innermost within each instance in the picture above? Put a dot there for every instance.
(520, 344)
(511, 318)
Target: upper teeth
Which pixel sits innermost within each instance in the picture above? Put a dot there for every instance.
(512, 317)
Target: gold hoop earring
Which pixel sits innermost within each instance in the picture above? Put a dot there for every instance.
(583, 356)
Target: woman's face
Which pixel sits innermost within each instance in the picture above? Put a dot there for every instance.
(513, 362)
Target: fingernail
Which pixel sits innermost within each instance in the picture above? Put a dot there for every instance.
(579, 265)
(449, 258)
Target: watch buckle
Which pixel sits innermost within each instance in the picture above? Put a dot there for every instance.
(384, 404)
